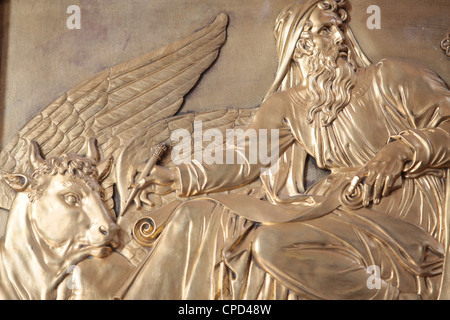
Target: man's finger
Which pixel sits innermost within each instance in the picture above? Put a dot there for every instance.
(378, 188)
(144, 198)
(367, 191)
(137, 201)
(139, 184)
(389, 182)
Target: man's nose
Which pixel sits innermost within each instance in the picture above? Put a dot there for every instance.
(338, 35)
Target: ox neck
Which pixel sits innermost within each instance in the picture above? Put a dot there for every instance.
(31, 269)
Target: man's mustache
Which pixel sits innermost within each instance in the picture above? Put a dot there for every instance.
(340, 51)
(343, 50)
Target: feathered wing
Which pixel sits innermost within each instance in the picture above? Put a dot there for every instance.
(139, 149)
(117, 102)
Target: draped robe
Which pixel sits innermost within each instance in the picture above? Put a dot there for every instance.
(311, 245)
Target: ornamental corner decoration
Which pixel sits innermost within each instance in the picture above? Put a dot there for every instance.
(445, 45)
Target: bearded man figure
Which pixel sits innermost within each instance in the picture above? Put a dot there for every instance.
(383, 130)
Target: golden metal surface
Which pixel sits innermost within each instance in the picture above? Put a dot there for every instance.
(240, 217)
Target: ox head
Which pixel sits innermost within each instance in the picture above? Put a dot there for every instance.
(66, 211)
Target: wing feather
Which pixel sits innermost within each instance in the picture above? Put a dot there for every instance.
(154, 91)
(117, 102)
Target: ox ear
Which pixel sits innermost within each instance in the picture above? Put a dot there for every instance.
(17, 182)
(104, 168)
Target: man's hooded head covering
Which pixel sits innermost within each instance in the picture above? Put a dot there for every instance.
(288, 28)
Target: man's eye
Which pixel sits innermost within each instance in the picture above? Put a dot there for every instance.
(325, 31)
(71, 199)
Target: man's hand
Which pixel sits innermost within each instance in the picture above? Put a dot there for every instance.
(161, 181)
(380, 174)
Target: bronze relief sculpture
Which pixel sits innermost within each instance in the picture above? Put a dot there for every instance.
(233, 218)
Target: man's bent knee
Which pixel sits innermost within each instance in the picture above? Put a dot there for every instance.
(267, 244)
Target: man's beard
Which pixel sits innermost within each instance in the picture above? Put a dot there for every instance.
(330, 83)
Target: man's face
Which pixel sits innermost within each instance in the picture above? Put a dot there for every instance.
(328, 33)
(330, 67)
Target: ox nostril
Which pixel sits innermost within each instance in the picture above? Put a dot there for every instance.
(103, 230)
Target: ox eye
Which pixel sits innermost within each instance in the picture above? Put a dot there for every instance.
(72, 199)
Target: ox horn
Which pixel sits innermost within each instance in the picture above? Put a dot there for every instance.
(104, 168)
(35, 157)
(92, 152)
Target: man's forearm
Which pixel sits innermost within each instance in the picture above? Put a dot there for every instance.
(431, 148)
